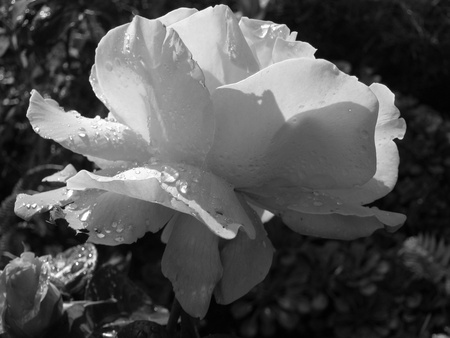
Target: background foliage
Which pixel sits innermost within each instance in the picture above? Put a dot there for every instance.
(388, 285)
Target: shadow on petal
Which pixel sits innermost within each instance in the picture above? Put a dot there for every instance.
(191, 261)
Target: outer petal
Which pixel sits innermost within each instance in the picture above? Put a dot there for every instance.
(95, 137)
(312, 202)
(338, 226)
(245, 261)
(217, 44)
(389, 126)
(180, 187)
(28, 205)
(303, 123)
(147, 77)
(113, 219)
(176, 15)
(191, 261)
(270, 42)
(61, 176)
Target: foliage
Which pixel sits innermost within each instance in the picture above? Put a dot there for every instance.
(383, 286)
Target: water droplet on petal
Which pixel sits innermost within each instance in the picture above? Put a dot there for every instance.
(77, 266)
(28, 206)
(100, 235)
(120, 228)
(119, 239)
(82, 135)
(36, 129)
(182, 186)
(169, 175)
(84, 217)
(34, 206)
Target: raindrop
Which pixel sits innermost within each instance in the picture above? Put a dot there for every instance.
(119, 239)
(127, 44)
(169, 175)
(137, 171)
(100, 235)
(85, 216)
(77, 266)
(182, 186)
(28, 206)
(34, 206)
(120, 228)
(114, 224)
(36, 129)
(108, 66)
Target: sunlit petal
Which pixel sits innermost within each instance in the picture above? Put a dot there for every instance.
(180, 187)
(216, 42)
(303, 123)
(61, 176)
(192, 263)
(176, 15)
(113, 219)
(245, 261)
(96, 137)
(29, 205)
(149, 81)
(272, 43)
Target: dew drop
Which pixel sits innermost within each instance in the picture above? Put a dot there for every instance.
(84, 217)
(119, 239)
(182, 186)
(108, 66)
(120, 228)
(28, 206)
(82, 135)
(114, 224)
(169, 175)
(34, 206)
(36, 129)
(77, 266)
(100, 235)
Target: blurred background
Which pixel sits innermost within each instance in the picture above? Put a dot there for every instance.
(388, 285)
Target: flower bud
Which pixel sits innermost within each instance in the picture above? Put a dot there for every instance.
(29, 303)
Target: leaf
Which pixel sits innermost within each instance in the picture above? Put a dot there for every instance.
(131, 304)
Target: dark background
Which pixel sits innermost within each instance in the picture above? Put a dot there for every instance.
(388, 285)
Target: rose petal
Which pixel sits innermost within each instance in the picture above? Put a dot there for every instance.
(61, 176)
(113, 219)
(285, 50)
(389, 126)
(191, 262)
(176, 15)
(216, 42)
(27, 206)
(95, 137)
(245, 262)
(303, 123)
(180, 187)
(317, 202)
(271, 42)
(336, 226)
(149, 81)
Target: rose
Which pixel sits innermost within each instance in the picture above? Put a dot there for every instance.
(212, 120)
(29, 303)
